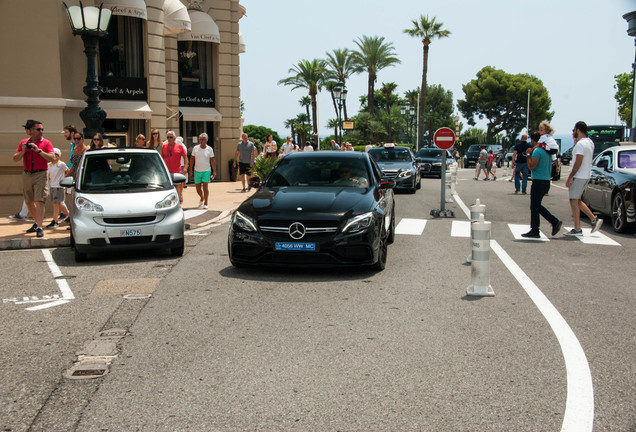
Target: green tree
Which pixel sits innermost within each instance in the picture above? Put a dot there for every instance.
(259, 133)
(625, 95)
(334, 123)
(340, 67)
(310, 75)
(439, 110)
(501, 98)
(372, 56)
(387, 90)
(425, 29)
(305, 102)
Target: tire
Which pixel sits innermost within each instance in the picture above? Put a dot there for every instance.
(391, 236)
(419, 184)
(79, 256)
(72, 240)
(382, 254)
(178, 250)
(619, 214)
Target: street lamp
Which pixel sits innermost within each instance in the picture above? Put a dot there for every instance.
(340, 95)
(409, 123)
(91, 24)
(631, 30)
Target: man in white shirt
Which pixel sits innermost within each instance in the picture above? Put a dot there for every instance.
(288, 147)
(204, 166)
(582, 156)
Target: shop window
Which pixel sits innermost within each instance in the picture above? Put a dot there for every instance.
(121, 53)
(195, 64)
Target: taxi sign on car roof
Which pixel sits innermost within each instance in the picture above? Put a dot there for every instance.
(389, 145)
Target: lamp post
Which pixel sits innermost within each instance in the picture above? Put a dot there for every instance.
(91, 24)
(340, 95)
(631, 30)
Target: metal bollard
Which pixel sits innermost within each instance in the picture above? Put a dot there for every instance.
(448, 195)
(480, 272)
(476, 210)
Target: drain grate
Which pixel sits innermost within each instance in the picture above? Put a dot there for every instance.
(89, 373)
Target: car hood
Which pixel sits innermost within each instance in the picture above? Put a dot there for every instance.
(132, 203)
(430, 159)
(395, 165)
(290, 201)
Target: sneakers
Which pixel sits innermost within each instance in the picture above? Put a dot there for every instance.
(597, 224)
(486, 179)
(516, 192)
(574, 232)
(200, 204)
(532, 234)
(475, 178)
(556, 228)
(33, 228)
(17, 216)
(53, 224)
(205, 206)
(40, 232)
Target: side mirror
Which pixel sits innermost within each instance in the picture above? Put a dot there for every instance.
(67, 182)
(603, 163)
(178, 178)
(254, 182)
(387, 183)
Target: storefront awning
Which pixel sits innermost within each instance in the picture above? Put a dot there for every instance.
(176, 19)
(119, 109)
(203, 28)
(200, 114)
(131, 8)
(242, 46)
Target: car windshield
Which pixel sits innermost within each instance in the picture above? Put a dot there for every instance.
(627, 159)
(390, 154)
(113, 172)
(474, 148)
(429, 153)
(303, 172)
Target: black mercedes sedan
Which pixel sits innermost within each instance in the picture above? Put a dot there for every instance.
(398, 163)
(326, 209)
(430, 161)
(610, 190)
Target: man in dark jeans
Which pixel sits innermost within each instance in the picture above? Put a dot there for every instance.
(520, 165)
(540, 162)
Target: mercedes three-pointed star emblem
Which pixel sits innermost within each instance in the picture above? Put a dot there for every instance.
(297, 230)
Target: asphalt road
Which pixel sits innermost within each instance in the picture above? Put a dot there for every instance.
(206, 346)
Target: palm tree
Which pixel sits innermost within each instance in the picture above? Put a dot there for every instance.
(387, 90)
(291, 123)
(308, 74)
(305, 102)
(425, 29)
(340, 67)
(334, 123)
(373, 55)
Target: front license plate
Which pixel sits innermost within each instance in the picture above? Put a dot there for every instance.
(130, 233)
(296, 246)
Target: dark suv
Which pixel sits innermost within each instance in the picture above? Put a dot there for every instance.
(472, 154)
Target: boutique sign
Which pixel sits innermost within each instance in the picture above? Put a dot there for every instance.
(124, 88)
(194, 97)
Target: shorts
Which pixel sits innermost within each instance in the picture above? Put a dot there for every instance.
(57, 194)
(244, 168)
(489, 167)
(202, 177)
(482, 165)
(35, 186)
(576, 188)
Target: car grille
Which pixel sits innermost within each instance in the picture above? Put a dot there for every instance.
(390, 173)
(313, 229)
(128, 220)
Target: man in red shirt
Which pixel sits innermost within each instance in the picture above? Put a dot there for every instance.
(36, 153)
(172, 152)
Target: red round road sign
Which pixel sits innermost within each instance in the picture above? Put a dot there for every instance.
(444, 138)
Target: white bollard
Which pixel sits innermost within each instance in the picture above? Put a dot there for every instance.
(453, 177)
(448, 194)
(480, 272)
(476, 210)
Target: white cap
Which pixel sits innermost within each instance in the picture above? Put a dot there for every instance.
(57, 151)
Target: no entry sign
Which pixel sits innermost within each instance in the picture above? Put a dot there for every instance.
(444, 138)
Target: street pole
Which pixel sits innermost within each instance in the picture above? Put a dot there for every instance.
(631, 31)
(528, 113)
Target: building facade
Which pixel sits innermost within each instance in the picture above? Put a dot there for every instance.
(165, 64)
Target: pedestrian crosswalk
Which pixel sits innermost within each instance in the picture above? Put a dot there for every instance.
(462, 229)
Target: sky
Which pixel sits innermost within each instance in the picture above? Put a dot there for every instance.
(574, 46)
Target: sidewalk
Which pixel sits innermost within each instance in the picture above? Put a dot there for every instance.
(224, 196)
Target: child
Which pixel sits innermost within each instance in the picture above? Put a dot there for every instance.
(489, 163)
(57, 170)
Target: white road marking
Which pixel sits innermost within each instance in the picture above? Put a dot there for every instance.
(579, 405)
(460, 229)
(188, 214)
(596, 238)
(517, 230)
(411, 226)
(62, 284)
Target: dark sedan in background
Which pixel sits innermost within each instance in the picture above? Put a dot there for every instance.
(472, 154)
(323, 209)
(610, 190)
(398, 163)
(430, 161)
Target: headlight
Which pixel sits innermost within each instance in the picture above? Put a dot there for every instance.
(405, 173)
(437, 164)
(170, 201)
(244, 222)
(358, 223)
(87, 205)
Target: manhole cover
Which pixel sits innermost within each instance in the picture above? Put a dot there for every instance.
(89, 372)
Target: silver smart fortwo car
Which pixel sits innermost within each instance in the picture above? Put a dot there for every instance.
(124, 199)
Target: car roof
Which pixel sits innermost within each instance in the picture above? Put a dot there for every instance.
(327, 154)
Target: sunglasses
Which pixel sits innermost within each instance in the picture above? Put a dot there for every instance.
(171, 137)
(155, 133)
(39, 129)
(78, 138)
(142, 139)
(96, 139)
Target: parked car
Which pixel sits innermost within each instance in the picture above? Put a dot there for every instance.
(610, 190)
(509, 153)
(124, 199)
(430, 161)
(566, 156)
(472, 154)
(316, 209)
(398, 163)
